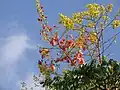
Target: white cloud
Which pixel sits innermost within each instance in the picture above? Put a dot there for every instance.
(13, 48)
(10, 53)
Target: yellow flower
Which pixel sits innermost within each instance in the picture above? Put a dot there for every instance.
(89, 6)
(77, 17)
(94, 10)
(91, 24)
(66, 21)
(116, 23)
(40, 10)
(44, 52)
(109, 7)
(93, 6)
(93, 37)
(80, 42)
(105, 18)
(45, 36)
(82, 29)
(85, 13)
(102, 9)
(94, 13)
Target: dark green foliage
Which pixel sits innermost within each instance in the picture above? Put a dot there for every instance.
(92, 76)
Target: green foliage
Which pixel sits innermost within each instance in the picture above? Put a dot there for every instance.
(90, 76)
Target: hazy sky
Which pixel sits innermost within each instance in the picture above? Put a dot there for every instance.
(19, 36)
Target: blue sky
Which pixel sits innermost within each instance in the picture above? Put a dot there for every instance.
(19, 36)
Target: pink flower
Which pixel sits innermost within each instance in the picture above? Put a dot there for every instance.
(62, 42)
(80, 60)
(70, 43)
(54, 40)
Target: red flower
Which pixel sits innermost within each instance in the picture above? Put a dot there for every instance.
(70, 43)
(66, 58)
(81, 60)
(54, 40)
(79, 57)
(62, 42)
(64, 48)
(52, 67)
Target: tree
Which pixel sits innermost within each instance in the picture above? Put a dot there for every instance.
(82, 46)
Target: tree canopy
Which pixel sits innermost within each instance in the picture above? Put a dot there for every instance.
(82, 46)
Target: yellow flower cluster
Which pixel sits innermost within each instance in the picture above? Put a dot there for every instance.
(38, 5)
(85, 13)
(109, 7)
(80, 42)
(105, 18)
(82, 29)
(93, 37)
(66, 21)
(77, 17)
(102, 9)
(94, 10)
(44, 52)
(116, 23)
(39, 9)
(91, 24)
